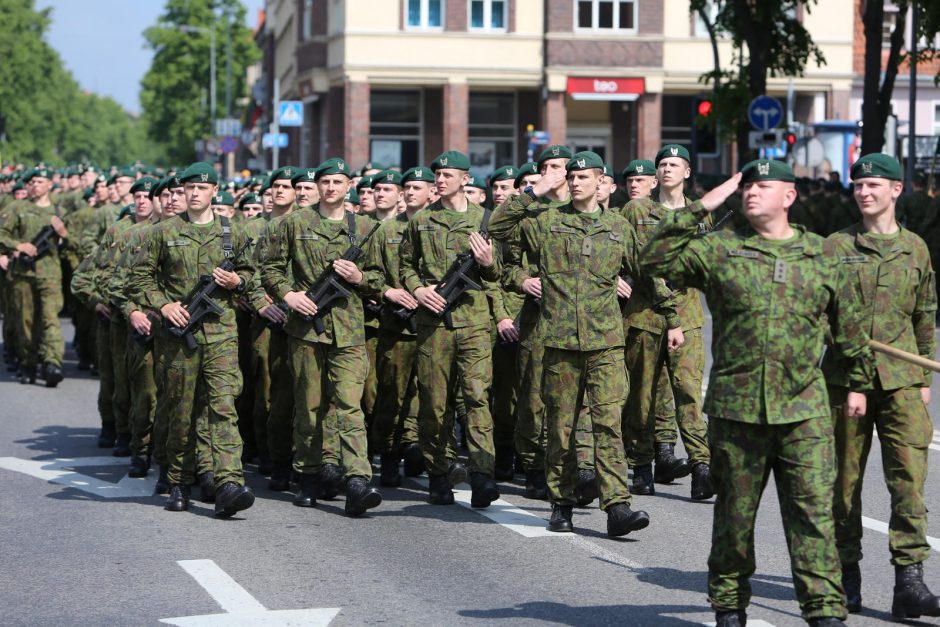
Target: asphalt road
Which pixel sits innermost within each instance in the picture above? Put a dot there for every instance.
(82, 544)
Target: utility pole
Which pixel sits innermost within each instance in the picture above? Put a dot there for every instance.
(275, 128)
(912, 106)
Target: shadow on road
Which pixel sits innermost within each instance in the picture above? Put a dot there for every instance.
(61, 441)
(561, 614)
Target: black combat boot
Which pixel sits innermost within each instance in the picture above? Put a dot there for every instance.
(643, 480)
(107, 435)
(307, 494)
(27, 374)
(535, 486)
(122, 445)
(484, 490)
(456, 473)
(668, 466)
(163, 482)
(414, 459)
(825, 621)
(621, 520)
(280, 478)
(560, 522)
(206, 482)
(439, 490)
(702, 486)
(503, 470)
(585, 490)
(390, 477)
(331, 481)
(140, 465)
(233, 498)
(53, 375)
(852, 582)
(912, 598)
(360, 496)
(179, 499)
(730, 618)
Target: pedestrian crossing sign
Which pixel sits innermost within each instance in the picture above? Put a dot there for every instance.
(290, 113)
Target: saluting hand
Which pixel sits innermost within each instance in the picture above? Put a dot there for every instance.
(717, 197)
(549, 181)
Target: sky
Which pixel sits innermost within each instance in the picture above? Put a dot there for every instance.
(102, 42)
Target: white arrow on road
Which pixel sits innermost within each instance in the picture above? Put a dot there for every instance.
(62, 471)
(241, 609)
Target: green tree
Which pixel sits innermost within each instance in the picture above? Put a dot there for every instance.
(175, 90)
(768, 39)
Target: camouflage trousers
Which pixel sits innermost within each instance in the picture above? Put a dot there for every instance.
(396, 409)
(904, 434)
(85, 327)
(647, 359)
(801, 456)
(245, 402)
(664, 406)
(201, 385)
(370, 389)
(594, 381)
(329, 426)
(121, 394)
(261, 383)
(105, 371)
(280, 419)
(447, 360)
(530, 411)
(37, 303)
(140, 370)
(504, 394)
(9, 314)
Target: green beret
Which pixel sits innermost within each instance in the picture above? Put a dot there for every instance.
(332, 166)
(18, 186)
(419, 173)
(223, 198)
(40, 170)
(553, 152)
(304, 175)
(88, 193)
(877, 164)
(766, 170)
(527, 168)
(505, 173)
(608, 170)
(126, 211)
(372, 166)
(477, 182)
(249, 199)
(285, 172)
(585, 160)
(387, 176)
(352, 196)
(126, 173)
(158, 188)
(364, 182)
(639, 167)
(453, 159)
(199, 172)
(265, 185)
(144, 184)
(672, 150)
(172, 182)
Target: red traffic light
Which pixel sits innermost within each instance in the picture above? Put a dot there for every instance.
(704, 108)
(791, 139)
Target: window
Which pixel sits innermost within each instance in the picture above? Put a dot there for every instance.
(711, 10)
(488, 14)
(395, 128)
(491, 131)
(936, 118)
(306, 17)
(424, 13)
(606, 15)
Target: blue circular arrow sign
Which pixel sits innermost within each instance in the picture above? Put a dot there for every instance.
(765, 113)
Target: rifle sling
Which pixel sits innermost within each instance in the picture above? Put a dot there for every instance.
(226, 237)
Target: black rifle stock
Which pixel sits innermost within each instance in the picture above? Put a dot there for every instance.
(42, 242)
(330, 287)
(199, 303)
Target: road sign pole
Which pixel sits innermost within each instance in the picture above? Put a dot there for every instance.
(274, 126)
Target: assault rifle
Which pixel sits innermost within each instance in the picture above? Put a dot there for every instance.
(199, 303)
(43, 243)
(330, 287)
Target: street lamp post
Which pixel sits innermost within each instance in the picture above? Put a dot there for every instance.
(188, 28)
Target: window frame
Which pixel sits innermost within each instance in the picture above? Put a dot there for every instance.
(424, 15)
(595, 16)
(487, 17)
(306, 26)
(401, 136)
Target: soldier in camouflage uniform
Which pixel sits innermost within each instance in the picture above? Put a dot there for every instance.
(888, 269)
(460, 354)
(36, 282)
(204, 378)
(770, 287)
(581, 251)
(328, 369)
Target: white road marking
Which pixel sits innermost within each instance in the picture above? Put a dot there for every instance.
(241, 609)
(61, 471)
(881, 527)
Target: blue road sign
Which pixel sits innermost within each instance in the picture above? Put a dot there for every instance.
(290, 113)
(228, 144)
(540, 137)
(270, 140)
(765, 113)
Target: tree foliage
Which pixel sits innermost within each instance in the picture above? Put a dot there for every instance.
(44, 114)
(768, 39)
(175, 91)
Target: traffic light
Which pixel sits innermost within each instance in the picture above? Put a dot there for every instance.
(704, 136)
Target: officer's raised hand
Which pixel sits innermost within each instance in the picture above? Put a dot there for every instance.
(549, 181)
(717, 197)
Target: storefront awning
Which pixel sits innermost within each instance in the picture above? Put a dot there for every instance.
(605, 88)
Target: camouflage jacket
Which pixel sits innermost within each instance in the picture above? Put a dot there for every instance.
(770, 301)
(430, 244)
(90, 278)
(95, 226)
(386, 266)
(127, 252)
(303, 244)
(23, 220)
(174, 256)
(579, 259)
(898, 302)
